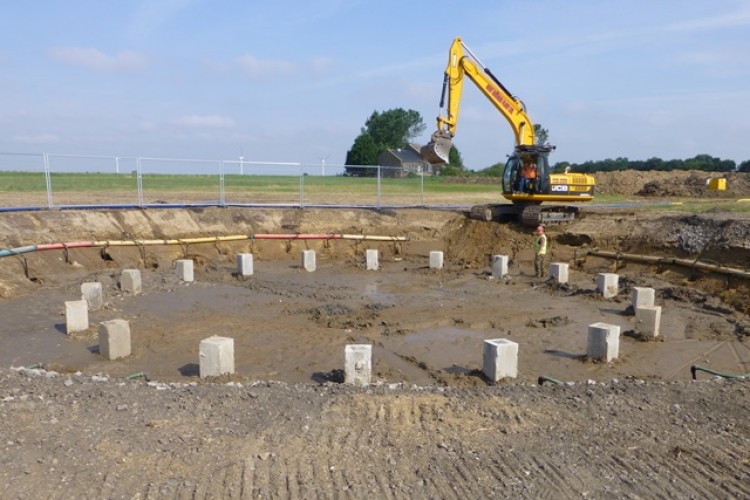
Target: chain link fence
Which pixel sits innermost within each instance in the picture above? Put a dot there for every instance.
(43, 180)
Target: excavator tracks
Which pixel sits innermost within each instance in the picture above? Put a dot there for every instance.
(536, 215)
(500, 213)
(530, 215)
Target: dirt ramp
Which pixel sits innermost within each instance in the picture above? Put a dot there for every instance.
(472, 243)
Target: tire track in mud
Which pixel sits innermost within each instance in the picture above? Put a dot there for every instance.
(358, 443)
(275, 440)
(686, 474)
(339, 458)
(452, 473)
(709, 461)
(560, 484)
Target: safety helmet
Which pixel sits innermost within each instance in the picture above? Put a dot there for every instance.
(540, 229)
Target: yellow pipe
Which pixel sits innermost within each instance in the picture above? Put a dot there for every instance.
(716, 268)
(236, 237)
(373, 238)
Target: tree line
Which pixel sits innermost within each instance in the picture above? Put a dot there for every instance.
(702, 162)
(394, 128)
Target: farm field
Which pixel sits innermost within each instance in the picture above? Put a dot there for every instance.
(686, 190)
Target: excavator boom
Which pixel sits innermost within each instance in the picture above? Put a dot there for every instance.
(463, 63)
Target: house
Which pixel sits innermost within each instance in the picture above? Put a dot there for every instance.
(402, 162)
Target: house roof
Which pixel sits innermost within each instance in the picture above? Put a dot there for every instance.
(407, 155)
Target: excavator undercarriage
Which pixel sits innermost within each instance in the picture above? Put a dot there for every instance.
(531, 215)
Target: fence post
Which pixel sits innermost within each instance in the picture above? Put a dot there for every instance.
(377, 204)
(421, 186)
(301, 187)
(221, 183)
(139, 180)
(47, 179)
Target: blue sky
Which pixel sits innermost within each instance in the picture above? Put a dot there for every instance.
(292, 81)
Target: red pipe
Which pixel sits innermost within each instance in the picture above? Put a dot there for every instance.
(62, 246)
(295, 236)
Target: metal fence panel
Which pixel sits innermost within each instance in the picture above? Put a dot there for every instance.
(265, 183)
(91, 180)
(56, 180)
(158, 186)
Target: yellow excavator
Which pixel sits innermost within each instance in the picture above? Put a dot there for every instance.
(527, 180)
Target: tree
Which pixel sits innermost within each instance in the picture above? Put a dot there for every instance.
(744, 166)
(390, 129)
(454, 158)
(394, 128)
(364, 151)
(703, 162)
(560, 167)
(455, 164)
(495, 170)
(541, 134)
(653, 164)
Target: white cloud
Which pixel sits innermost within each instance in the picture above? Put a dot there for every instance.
(263, 69)
(258, 69)
(732, 19)
(37, 139)
(95, 59)
(321, 66)
(728, 58)
(204, 121)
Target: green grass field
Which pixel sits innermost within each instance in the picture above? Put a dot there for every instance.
(83, 188)
(31, 182)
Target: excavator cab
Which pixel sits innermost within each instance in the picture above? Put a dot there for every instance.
(527, 172)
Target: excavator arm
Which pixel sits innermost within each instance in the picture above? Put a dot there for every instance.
(462, 62)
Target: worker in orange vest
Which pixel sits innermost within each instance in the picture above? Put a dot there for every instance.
(528, 175)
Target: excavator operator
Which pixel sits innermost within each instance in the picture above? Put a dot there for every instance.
(528, 175)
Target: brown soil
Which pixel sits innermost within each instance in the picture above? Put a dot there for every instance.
(431, 426)
(687, 184)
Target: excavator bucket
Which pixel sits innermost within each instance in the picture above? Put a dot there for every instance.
(437, 150)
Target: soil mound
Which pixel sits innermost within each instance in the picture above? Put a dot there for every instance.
(654, 183)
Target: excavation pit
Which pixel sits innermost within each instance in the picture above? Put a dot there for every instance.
(425, 327)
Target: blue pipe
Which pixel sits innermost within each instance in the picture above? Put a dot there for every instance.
(16, 251)
(127, 206)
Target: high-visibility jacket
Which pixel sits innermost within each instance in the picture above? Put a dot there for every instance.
(540, 244)
(528, 171)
